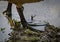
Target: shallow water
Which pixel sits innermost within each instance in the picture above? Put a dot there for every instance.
(45, 11)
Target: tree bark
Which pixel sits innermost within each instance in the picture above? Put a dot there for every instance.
(20, 12)
(23, 20)
(8, 11)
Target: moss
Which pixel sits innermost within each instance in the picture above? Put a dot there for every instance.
(28, 31)
(1, 29)
(31, 38)
(17, 23)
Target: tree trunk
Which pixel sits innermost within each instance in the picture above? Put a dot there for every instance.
(20, 12)
(23, 20)
(8, 11)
